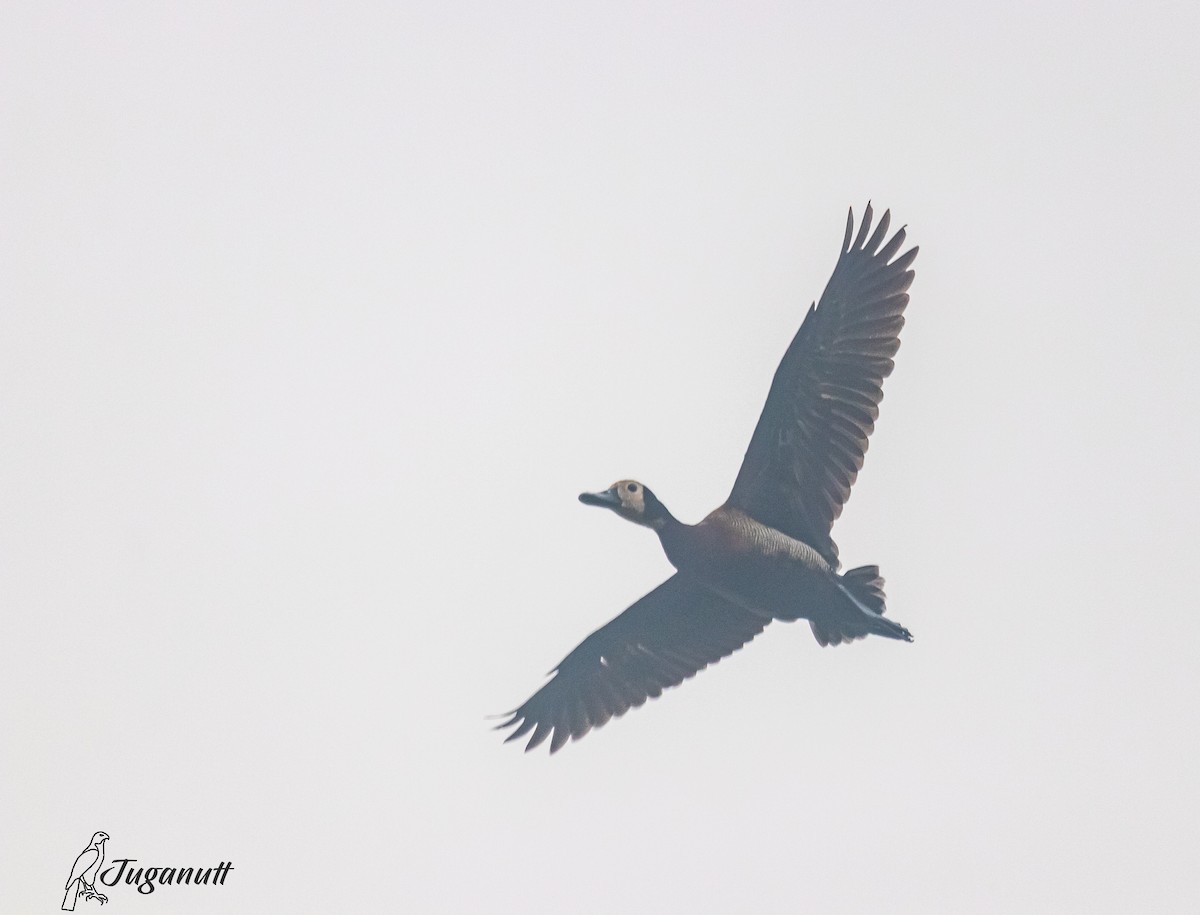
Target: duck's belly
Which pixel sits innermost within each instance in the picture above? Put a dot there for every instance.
(783, 593)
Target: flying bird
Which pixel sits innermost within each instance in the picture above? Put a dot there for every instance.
(768, 552)
(83, 873)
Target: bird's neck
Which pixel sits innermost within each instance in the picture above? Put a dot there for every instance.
(672, 533)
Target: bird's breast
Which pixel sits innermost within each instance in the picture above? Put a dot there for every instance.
(731, 548)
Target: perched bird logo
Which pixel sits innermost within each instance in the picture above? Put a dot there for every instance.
(82, 881)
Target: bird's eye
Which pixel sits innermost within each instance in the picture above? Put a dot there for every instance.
(631, 487)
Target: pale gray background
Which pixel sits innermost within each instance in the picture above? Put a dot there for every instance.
(316, 320)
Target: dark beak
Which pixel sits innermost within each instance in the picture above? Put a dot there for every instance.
(606, 499)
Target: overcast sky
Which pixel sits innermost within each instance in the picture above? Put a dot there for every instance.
(316, 320)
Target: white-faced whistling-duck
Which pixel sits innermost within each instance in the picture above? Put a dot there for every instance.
(767, 553)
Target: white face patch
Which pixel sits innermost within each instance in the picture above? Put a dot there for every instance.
(632, 496)
(632, 501)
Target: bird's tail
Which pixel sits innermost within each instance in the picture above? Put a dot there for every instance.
(864, 589)
(69, 899)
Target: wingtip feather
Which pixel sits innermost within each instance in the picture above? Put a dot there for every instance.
(864, 228)
(880, 231)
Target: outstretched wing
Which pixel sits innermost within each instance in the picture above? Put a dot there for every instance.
(677, 629)
(810, 441)
(86, 859)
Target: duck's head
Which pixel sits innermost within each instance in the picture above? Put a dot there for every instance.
(632, 501)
